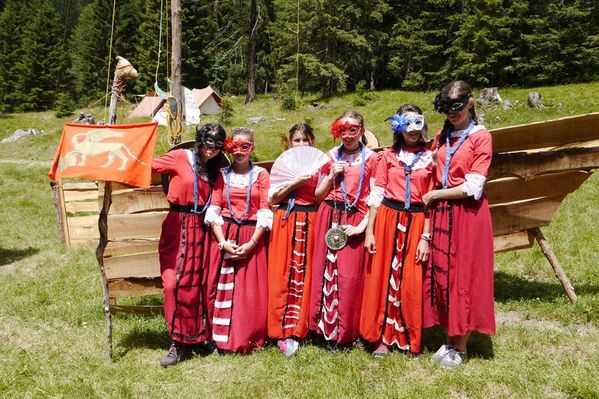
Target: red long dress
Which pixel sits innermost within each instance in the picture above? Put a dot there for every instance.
(458, 288)
(338, 276)
(290, 250)
(237, 289)
(392, 302)
(183, 250)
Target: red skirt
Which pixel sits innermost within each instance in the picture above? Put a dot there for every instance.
(392, 304)
(458, 287)
(237, 293)
(183, 254)
(337, 280)
(290, 249)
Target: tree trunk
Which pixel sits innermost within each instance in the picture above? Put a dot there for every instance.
(534, 100)
(177, 91)
(253, 23)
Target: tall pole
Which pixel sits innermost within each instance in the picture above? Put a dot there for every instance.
(176, 27)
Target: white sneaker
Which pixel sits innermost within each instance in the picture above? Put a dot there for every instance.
(453, 359)
(442, 352)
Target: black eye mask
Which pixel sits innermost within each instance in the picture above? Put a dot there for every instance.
(451, 105)
(209, 141)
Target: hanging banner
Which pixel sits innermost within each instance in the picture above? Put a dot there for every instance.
(120, 153)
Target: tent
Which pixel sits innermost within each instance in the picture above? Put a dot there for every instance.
(207, 100)
(197, 102)
(149, 106)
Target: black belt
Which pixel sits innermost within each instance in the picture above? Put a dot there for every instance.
(400, 206)
(298, 208)
(241, 223)
(339, 205)
(184, 208)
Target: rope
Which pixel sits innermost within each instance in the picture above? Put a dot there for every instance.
(173, 122)
(109, 60)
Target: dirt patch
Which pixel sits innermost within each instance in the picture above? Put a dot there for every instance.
(514, 318)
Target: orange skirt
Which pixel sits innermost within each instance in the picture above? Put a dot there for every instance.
(289, 266)
(392, 300)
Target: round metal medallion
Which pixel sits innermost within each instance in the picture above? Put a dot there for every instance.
(335, 238)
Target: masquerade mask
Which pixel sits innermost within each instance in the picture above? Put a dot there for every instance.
(406, 123)
(345, 129)
(451, 105)
(238, 146)
(209, 140)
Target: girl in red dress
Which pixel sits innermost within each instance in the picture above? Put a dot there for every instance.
(338, 270)
(182, 247)
(398, 237)
(290, 253)
(239, 214)
(458, 289)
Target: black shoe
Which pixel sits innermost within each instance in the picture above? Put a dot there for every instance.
(205, 348)
(176, 353)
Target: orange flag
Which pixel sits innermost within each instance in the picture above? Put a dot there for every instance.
(120, 153)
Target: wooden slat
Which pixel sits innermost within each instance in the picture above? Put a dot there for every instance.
(85, 243)
(82, 206)
(141, 225)
(83, 228)
(134, 200)
(554, 133)
(510, 189)
(77, 195)
(79, 186)
(125, 288)
(130, 247)
(527, 165)
(508, 218)
(509, 242)
(139, 265)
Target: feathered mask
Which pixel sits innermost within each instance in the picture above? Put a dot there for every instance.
(444, 105)
(345, 129)
(238, 146)
(406, 123)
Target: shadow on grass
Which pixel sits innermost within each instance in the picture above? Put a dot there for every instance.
(479, 345)
(510, 287)
(8, 256)
(138, 338)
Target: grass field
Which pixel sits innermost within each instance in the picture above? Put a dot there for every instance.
(52, 325)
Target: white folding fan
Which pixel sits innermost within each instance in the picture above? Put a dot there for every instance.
(294, 162)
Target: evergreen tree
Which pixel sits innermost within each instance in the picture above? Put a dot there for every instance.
(147, 48)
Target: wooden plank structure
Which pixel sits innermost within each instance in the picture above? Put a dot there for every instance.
(534, 168)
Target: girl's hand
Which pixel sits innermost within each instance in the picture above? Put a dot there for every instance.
(370, 243)
(351, 230)
(299, 180)
(244, 250)
(422, 251)
(429, 197)
(337, 168)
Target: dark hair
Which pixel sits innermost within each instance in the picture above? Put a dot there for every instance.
(455, 88)
(302, 128)
(360, 118)
(213, 165)
(398, 138)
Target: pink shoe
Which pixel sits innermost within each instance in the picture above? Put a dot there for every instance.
(381, 351)
(288, 346)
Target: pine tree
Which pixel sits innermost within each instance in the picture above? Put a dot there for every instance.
(147, 47)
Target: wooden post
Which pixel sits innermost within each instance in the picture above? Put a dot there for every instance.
(103, 227)
(61, 212)
(176, 72)
(559, 272)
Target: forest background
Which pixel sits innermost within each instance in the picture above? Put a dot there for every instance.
(54, 51)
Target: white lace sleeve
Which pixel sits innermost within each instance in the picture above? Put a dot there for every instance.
(474, 185)
(213, 215)
(375, 197)
(264, 218)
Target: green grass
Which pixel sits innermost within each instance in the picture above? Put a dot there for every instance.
(52, 341)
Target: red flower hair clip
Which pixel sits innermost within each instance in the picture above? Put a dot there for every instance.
(345, 129)
(238, 146)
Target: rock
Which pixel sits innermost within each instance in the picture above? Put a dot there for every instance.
(506, 104)
(534, 100)
(20, 133)
(86, 119)
(488, 95)
(259, 119)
